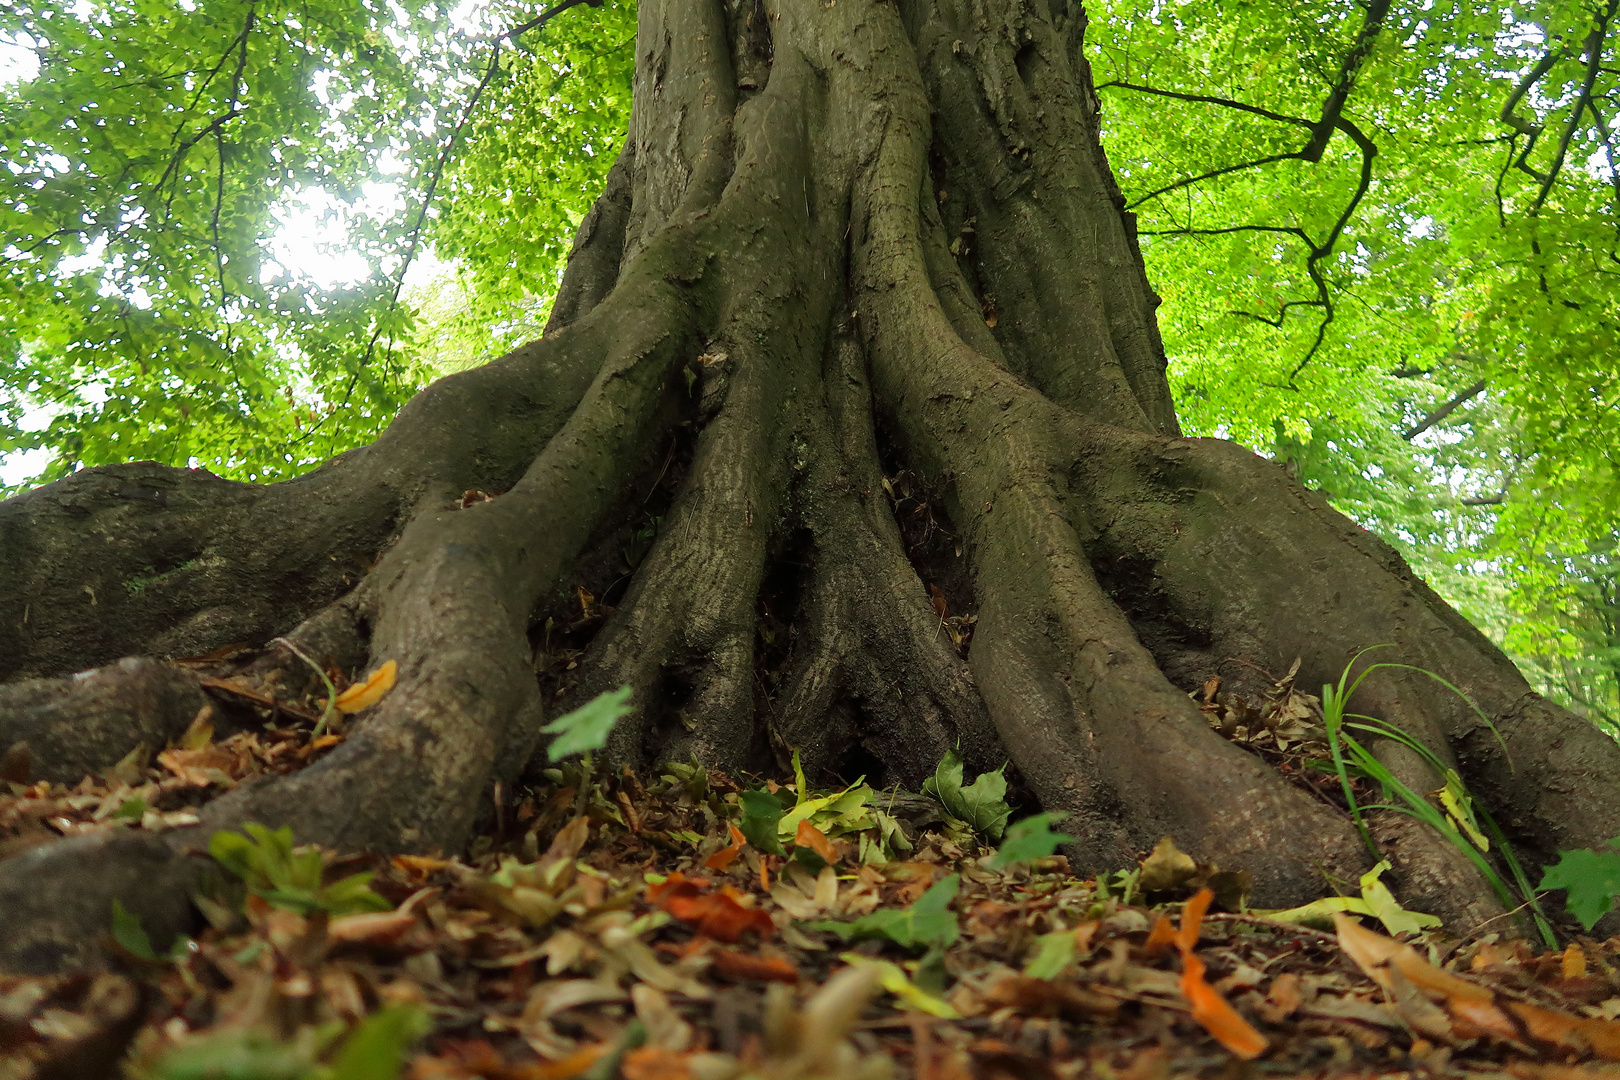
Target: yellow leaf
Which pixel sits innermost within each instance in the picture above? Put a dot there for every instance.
(365, 695)
(1460, 809)
(893, 979)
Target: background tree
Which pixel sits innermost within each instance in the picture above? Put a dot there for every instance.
(855, 340)
(1387, 238)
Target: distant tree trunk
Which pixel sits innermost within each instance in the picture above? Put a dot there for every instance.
(861, 322)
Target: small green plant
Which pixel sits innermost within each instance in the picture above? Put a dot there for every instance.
(587, 727)
(1471, 830)
(1031, 839)
(1590, 880)
(290, 877)
(761, 813)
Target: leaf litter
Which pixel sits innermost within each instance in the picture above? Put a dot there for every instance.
(691, 927)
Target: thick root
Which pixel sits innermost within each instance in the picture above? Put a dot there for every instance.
(63, 729)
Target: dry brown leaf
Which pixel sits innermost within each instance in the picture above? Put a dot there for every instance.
(1166, 868)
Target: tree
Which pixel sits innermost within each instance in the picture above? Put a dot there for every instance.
(1426, 300)
(858, 336)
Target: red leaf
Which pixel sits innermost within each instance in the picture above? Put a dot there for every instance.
(741, 967)
(719, 915)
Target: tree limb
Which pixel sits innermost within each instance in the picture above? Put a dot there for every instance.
(1466, 393)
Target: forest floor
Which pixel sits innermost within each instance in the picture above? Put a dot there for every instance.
(692, 926)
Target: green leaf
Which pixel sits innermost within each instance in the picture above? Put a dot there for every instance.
(1590, 879)
(128, 932)
(761, 815)
(1381, 904)
(235, 1054)
(982, 805)
(1030, 839)
(587, 727)
(377, 1049)
(1053, 954)
(927, 923)
(893, 979)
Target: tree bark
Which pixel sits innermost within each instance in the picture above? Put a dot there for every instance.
(842, 242)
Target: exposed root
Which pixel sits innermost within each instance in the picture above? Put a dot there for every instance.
(62, 729)
(684, 632)
(1235, 559)
(875, 670)
(1079, 702)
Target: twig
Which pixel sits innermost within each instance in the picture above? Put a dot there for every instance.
(330, 713)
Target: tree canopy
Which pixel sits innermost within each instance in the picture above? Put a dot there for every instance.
(1385, 235)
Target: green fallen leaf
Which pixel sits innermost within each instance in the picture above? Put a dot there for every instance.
(1030, 839)
(927, 923)
(1590, 879)
(761, 816)
(377, 1049)
(893, 979)
(982, 805)
(587, 727)
(236, 1054)
(1375, 901)
(1053, 954)
(128, 932)
(1381, 904)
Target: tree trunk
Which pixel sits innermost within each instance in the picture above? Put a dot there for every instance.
(859, 316)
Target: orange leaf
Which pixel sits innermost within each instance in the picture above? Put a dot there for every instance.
(365, 695)
(813, 838)
(1192, 919)
(1208, 1007)
(575, 1064)
(418, 866)
(741, 967)
(1162, 936)
(1218, 1017)
(652, 1063)
(719, 915)
(723, 858)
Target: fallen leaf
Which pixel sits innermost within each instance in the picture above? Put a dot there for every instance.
(1166, 868)
(807, 835)
(723, 858)
(1208, 1007)
(1042, 997)
(653, 1063)
(366, 694)
(741, 967)
(1473, 1009)
(719, 915)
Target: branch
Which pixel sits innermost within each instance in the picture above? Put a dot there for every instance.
(1210, 176)
(1206, 99)
(1485, 500)
(1322, 129)
(1594, 59)
(415, 234)
(1333, 107)
(1465, 394)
